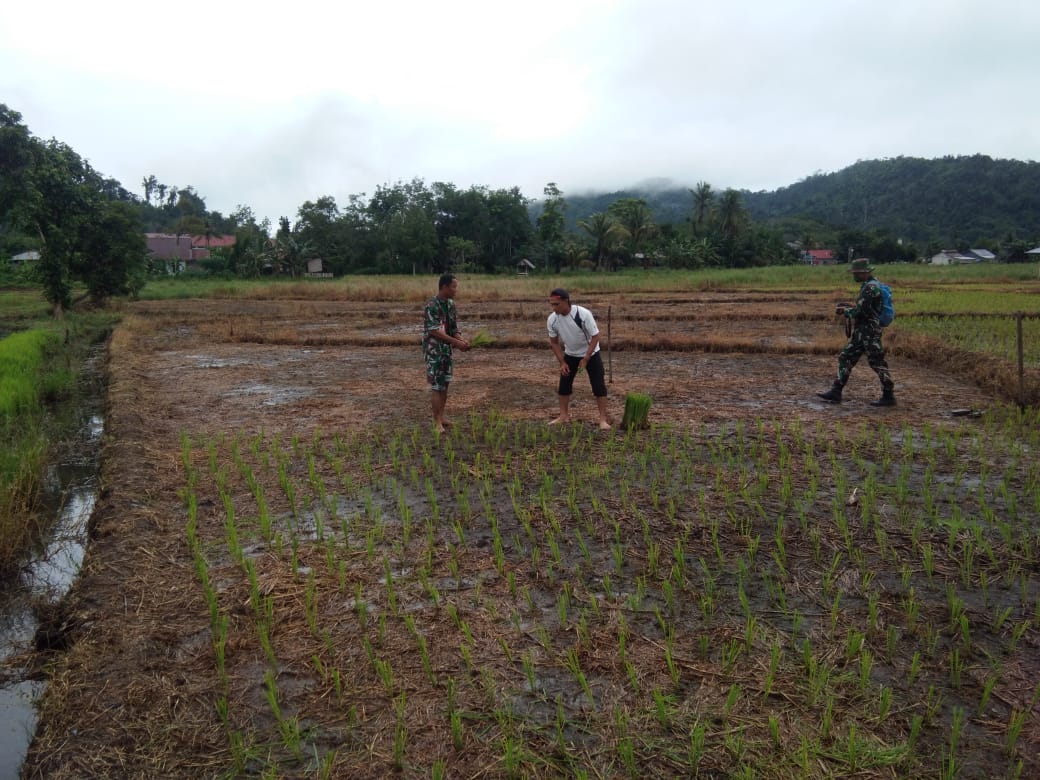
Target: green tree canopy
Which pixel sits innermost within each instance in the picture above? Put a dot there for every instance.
(85, 225)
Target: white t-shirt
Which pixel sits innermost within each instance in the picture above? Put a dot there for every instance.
(574, 339)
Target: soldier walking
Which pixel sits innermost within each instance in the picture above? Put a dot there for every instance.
(865, 317)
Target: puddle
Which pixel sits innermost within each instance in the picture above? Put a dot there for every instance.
(71, 487)
(270, 395)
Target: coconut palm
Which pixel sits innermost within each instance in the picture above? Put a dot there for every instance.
(703, 202)
(636, 221)
(731, 215)
(604, 232)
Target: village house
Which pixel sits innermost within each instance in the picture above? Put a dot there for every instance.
(20, 259)
(202, 244)
(818, 257)
(179, 252)
(956, 257)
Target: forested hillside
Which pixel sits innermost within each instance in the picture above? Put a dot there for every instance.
(949, 201)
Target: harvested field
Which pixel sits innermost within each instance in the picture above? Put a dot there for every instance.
(291, 576)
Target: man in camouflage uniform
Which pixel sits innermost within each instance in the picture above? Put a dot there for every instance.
(440, 335)
(866, 337)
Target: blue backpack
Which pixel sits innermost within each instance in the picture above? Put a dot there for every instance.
(888, 310)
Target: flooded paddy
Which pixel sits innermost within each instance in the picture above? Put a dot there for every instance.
(290, 574)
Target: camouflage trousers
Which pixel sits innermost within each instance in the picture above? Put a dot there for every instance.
(864, 340)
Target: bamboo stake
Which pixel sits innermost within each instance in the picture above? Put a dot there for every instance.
(1021, 363)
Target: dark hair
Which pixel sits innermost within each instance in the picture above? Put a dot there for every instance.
(559, 292)
(445, 280)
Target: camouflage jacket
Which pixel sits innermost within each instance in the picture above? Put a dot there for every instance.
(439, 314)
(866, 311)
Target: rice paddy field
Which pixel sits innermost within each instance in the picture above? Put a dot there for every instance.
(290, 575)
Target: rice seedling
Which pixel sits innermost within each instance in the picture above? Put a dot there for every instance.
(1016, 721)
(637, 411)
(400, 734)
(568, 554)
(289, 728)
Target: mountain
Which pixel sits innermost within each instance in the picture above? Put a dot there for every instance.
(948, 201)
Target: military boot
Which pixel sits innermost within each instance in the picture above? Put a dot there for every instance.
(888, 397)
(833, 395)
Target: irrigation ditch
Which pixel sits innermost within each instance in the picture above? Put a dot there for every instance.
(30, 607)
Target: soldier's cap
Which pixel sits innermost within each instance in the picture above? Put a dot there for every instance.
(861, 264)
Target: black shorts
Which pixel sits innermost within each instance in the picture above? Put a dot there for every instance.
(595, 370)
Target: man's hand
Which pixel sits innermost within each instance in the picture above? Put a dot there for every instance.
(565, 370)
(842, 310)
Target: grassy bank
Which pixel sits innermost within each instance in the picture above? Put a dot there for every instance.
(24, 358)
(38, 368)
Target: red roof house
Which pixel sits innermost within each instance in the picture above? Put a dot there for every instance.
(818, 257)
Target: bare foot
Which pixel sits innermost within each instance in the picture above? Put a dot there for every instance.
(559, 421)
(438, 428)
(604, 425)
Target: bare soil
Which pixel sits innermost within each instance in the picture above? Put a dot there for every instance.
(133, 694)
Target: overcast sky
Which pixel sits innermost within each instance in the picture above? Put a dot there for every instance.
(270, 104)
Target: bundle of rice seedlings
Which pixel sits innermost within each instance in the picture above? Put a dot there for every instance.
(637, 409)
(481, 339)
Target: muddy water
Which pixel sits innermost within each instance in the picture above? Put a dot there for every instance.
(71, 487)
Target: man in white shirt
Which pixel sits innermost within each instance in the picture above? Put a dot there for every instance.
(574, 339)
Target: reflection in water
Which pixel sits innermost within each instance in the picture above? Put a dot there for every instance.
(71, 487)
(17, 724)
(53, 571)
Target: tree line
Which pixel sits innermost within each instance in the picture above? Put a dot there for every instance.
(89, 229)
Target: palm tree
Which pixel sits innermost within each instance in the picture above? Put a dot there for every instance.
(636, 221)
(731, 214)
(149, 183)
(703, 202)
(604, 231)
(575, 254)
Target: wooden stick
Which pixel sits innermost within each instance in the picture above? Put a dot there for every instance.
(1021, 363)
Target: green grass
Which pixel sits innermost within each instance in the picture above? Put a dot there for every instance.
(25, 302)
(21, 358)
(993, 335)
(24, 359)
(38, 367)
(992, 299)
(801, 277)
